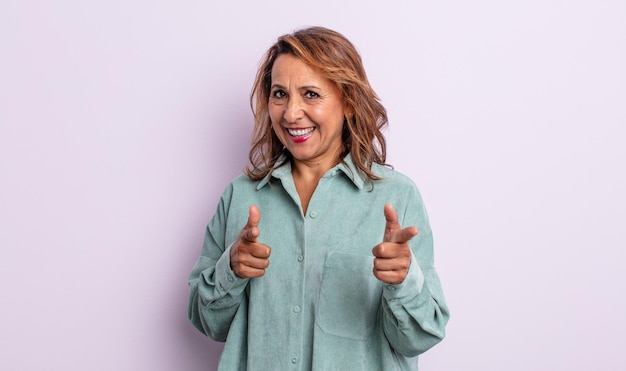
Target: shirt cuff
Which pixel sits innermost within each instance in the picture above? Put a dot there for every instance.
(413, 282)
(225, 277)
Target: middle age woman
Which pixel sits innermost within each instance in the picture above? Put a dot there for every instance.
(320, 257)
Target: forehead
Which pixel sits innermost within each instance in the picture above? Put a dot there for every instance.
(289, 67)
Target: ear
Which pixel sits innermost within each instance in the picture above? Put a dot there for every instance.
(348, 112)
(347, 117)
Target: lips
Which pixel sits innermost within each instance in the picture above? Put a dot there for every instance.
(300, 135)
(300, 132)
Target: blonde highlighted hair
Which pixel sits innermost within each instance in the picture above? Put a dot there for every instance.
(334, 57)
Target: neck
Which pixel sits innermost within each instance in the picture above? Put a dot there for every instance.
(309, 171)
(314, 170)
(306, 175)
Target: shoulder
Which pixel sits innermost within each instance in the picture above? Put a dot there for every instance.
(392, 177)
(241, 185)
(396, 185)
(242, 180)
(400, 191)
(236, 198)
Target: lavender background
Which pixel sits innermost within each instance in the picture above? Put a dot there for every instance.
(122, 121)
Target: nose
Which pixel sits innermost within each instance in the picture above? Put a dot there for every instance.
(293, 110)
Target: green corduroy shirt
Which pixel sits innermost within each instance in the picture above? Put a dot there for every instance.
(319, 305)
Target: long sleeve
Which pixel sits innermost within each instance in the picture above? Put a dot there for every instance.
(216, 291)
(414, 311)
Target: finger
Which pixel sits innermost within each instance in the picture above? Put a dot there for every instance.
(390, 250)
(254, 216)
(392, 224)
(251, 228)
(393, 230)
(249, 272)
(260, 250)
(250, 234)
(253, 262)
(405, 235)
(393, 277)
(395, 264)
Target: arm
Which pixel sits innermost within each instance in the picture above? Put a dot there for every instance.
(414, 309)
(215, 291)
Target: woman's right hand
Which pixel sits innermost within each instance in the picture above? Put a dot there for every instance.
(248, 258)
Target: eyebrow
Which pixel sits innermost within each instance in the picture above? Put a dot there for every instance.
(274, 86)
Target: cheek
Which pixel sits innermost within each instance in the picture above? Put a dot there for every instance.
(332, 115)
(275, 120)
(274, 112)
(331, 109)
(276, 129)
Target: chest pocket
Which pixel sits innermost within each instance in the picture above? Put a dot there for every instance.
(349, 297)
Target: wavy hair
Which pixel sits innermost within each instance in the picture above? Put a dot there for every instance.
(334, 57)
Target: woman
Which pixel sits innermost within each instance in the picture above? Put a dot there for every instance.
(351, 284)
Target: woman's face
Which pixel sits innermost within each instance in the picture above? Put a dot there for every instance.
(307, 112)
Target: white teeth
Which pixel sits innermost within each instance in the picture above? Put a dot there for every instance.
(299, 132)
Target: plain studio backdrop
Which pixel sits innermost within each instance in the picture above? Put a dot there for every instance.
(121, 122)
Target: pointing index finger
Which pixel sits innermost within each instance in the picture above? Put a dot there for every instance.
(392, 224)
(251, 228)
(393, 230)
(254, 216)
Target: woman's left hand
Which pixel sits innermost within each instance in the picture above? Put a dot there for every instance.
(392, 257)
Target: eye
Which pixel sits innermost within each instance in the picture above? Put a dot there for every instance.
(311, 94)
(278, 94)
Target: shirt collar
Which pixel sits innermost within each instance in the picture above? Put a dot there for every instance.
(347, 167)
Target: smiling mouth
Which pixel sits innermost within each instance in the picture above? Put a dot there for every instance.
(300, 133)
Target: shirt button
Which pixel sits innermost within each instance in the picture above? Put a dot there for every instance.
(230, 278)
(313, 214)
(391, 288)
(300, 258)
(296, 309)
(294, 360)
